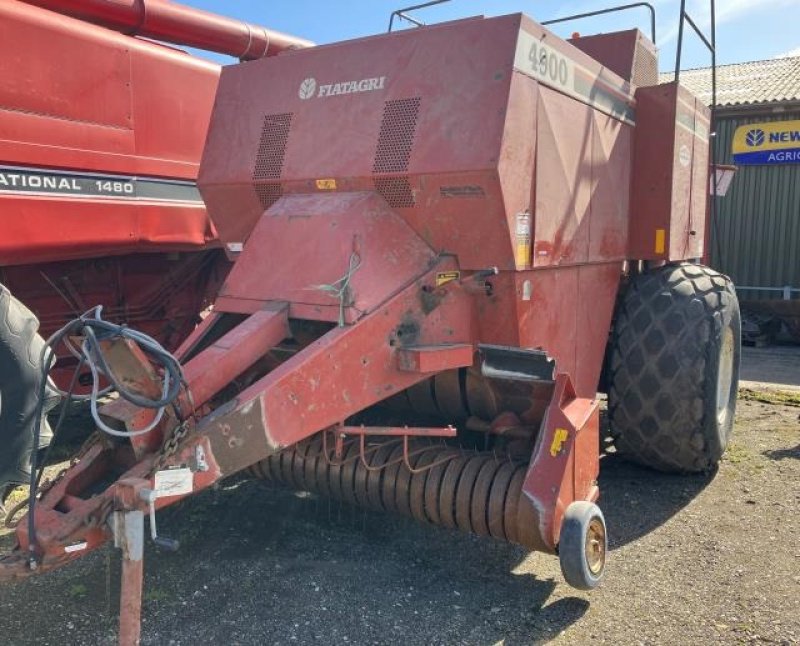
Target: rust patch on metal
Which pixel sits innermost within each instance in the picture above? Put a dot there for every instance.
(238, 436)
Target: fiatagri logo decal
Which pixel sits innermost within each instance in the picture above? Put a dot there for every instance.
(776, 142)
(310, 88)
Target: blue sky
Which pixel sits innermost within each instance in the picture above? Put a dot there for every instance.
(746, 29)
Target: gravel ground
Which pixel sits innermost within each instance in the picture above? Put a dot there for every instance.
(693, 560)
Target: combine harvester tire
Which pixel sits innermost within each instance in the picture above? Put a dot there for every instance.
(20, 383)
(674, 368)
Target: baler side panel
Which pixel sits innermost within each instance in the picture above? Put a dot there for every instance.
(651, 185)
(562, 180)
(323, 239)
(669, 185)
(597, 294)
(582, 182)
(454, 84)
(700, 177)
(679, 232)
(612, 155)
(518, 157)
(569, 316)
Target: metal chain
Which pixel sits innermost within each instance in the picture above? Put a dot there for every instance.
(171, 444)
(174, 439)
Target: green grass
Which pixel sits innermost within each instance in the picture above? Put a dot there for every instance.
(779, 397)
(736, 454)
(77, 590)
(155, 595)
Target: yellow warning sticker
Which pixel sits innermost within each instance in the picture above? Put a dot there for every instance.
(559, 437)
(444, 277)
(326, 184)
(522, 246)
(661, 240)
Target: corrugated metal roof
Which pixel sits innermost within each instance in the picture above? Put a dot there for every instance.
(755, 82)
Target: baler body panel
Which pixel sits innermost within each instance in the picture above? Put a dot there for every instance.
(354, 236)
(670, 178)
(462, 129)
(443, 126)
(629, 54)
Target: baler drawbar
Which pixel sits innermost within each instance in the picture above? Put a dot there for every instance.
(445, 234)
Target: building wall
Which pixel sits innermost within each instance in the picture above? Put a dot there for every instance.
(756, 237)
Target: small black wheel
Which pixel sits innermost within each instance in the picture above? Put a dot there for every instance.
(582, 545)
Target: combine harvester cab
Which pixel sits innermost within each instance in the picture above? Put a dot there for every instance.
(441, 223)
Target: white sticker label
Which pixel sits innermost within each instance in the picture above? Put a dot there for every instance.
(685, 155)
(174, 482)
(75, 547)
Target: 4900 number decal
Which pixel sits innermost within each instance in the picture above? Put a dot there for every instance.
(548, 65)
(602, 90)
(544, 63)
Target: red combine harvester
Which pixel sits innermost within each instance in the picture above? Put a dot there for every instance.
(100, 142)
(447, 230)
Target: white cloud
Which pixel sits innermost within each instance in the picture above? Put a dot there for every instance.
(790, 53)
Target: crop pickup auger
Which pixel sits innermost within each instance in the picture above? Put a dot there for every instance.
(452, 226)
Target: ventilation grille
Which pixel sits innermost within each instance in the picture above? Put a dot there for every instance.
(269, 160)
(272, 147)
(396, 191)
(645, 67)
(395, 141)
(268, 193)
(398, 126)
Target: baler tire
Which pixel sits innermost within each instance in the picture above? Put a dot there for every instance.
(20, 384)
(674, 368)
(583, 545)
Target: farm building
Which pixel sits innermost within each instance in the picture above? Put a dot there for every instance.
(755, 238)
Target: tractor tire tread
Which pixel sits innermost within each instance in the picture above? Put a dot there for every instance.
(20, 352)
(662, 347)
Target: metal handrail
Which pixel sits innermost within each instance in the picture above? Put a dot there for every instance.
(712, 47)
(600, 12)
(402, 13)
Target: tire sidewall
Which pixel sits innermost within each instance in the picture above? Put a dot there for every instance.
(571, 548)
(717, 433)
(20, 380)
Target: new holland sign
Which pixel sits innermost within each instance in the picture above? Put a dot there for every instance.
(776, 142)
